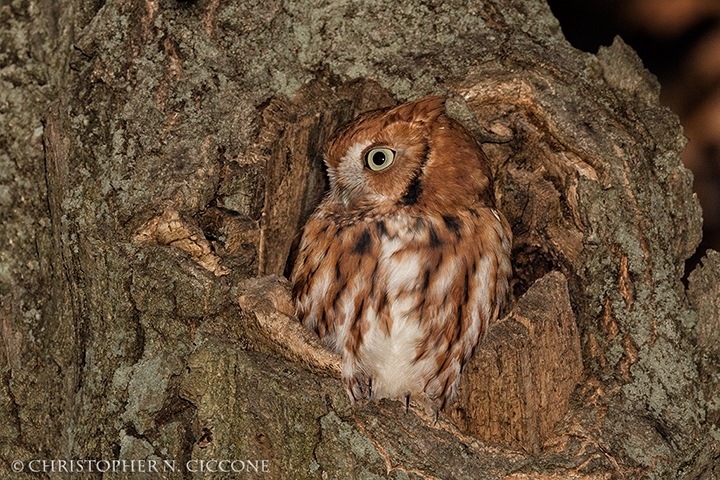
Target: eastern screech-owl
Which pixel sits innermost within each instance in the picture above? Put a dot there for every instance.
(406, 261)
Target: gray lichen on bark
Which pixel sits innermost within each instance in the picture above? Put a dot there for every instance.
(155, 155)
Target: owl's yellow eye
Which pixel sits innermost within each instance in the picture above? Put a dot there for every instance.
(379, 159)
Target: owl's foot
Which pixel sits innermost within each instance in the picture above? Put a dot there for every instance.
(359, 387)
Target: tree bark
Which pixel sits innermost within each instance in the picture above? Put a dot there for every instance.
(158, 157)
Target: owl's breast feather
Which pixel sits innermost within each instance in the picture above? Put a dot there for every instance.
(390, 354)
(391, 358)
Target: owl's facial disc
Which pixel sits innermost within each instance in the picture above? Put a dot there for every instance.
(377, 170)
(348, 179)
(379, 158)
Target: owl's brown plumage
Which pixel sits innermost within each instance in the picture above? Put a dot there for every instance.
(406, 261)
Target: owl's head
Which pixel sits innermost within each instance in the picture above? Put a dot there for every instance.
(409, 156)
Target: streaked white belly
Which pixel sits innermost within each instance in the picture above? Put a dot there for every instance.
(392, 367)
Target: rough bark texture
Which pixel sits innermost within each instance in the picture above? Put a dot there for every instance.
(520, 380)
(157, 155)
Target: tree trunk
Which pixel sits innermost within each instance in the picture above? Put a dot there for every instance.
(158, 157)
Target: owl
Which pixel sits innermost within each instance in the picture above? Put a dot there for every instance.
(406, 260)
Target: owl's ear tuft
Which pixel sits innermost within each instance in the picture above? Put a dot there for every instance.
(424, 110)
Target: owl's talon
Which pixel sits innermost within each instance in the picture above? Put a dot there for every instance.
(359, 387)
(407, 402)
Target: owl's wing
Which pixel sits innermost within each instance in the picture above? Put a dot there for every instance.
(333, 278)
(464, 285)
